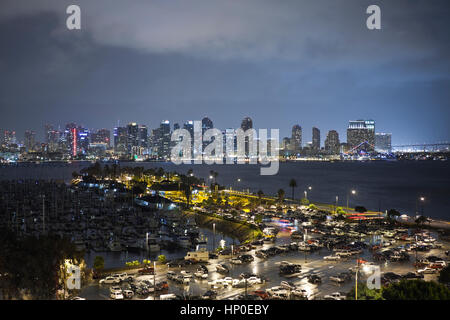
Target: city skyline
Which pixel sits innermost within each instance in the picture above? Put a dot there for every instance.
(195, 63)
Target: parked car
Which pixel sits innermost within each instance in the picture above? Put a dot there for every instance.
(109, 280)
(128, 294)
(334, 296)
(313, 278)
(209, 295)
(287, 285)
(146, 270)
(116, 295)
(261, 293)
(427, 270)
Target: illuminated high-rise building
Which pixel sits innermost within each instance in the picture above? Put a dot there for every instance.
(361, 136)
(296, 139)
(383, 142)
(315, 139)
(332, 144)
(30, 140)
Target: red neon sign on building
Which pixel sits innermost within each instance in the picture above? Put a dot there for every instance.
(74, 142)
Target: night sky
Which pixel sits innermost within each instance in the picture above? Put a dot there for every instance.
(281, 62)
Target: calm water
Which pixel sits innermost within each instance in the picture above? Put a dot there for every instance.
(378, 184)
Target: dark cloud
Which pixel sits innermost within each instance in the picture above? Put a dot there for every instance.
(282, 62)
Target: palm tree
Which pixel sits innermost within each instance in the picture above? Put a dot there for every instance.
(392, 213)
(293, 185)
(281, 194)
(260, 195)
(421, 220)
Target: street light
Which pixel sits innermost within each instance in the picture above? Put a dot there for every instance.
(353, 192)
(306, 195)
(422, 199)
(214, 236)
(337, 199)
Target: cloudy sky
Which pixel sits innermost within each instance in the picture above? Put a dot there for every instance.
(280, 62)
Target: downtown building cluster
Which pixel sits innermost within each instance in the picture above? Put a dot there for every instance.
(137, 142)
(361, 138)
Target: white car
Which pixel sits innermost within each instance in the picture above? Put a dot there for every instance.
(427, 270)
(116, 295)
(115, 289)
(334, 296)
(109, 280)
(236, 261)
(345, 253)
(287, 285)
(332, 258)
(186, 273)
(170, 296)
(227, 280)
(254, 280)
(300, 293)
(128, 294)
(201, 275)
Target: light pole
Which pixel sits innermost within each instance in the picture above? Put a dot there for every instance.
(356, 279)
(335, 209)
(422, 200)
(306, 194)
(154, 280)
(353, 192)
(305, 239)
(214, 237)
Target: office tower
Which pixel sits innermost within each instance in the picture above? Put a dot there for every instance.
(332, 144)
(206, 124)
(84, 136)
(30, 140)
(143, 137)
(176, 126)
(189, 126)
(120, 140)
(383, 142)
(246, 123)
(286, 144)
(164, 140)
(102, 136)
(361, 135)
(132, 138)
(9, 137)
(52, 139)
(48, 129)
(315, 139)
(69, 141)
(296, 139)
(230, 143)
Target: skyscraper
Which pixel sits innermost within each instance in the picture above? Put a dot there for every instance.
(30, 140)
(361, 135)
(296, 140)
(120, 140)
(206, 124)
(332, 144)
(315, 139)
(101, 136)
(383, 143)
(246, 123)
(164, 139)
